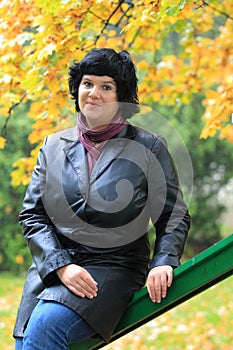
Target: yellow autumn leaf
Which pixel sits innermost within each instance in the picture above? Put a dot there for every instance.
(47, 51)
(227, 133)
(31, 81)
(42, 20)
(4, 110)
(142, 64)
(39, 39)
(2, 142)
(19, 259)
(53, 84)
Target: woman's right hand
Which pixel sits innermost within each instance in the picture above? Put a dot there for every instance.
(78, 280)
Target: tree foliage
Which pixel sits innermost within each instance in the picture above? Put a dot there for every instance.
(39, 39)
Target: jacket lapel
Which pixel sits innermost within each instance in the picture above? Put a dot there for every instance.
(75, 153)
(111, 151)
(113, 148)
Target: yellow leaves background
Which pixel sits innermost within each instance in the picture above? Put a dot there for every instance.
(39, 39)
(2, 142)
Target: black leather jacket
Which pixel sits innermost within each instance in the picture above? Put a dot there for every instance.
(69, 215)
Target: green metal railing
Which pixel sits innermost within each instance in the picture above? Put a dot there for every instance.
(191, 278)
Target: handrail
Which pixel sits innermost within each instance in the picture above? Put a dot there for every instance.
(191, 278)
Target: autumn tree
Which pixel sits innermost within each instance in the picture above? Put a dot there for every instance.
(182, 49)
(40, 38)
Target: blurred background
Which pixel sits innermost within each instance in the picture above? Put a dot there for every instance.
(184, 58)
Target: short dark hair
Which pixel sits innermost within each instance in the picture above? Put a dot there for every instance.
(118, 66)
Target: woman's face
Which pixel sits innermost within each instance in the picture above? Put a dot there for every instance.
(97, 98)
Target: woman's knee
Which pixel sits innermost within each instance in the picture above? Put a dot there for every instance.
(56, 324)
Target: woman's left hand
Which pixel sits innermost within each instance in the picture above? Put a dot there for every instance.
(158, 280)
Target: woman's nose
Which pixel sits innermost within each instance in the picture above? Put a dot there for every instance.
(94, 92)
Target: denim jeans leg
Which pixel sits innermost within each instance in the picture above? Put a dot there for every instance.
(53, 326)
(19, 343)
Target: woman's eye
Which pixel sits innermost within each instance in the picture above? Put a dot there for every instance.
(87, 83)
(107, 87)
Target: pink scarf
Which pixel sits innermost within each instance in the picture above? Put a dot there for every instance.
(90, 137)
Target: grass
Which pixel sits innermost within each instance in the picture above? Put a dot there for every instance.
(10, 294)
(203, 322)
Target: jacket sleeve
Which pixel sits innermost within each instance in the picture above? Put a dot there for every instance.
(38, 229)
(168, 211)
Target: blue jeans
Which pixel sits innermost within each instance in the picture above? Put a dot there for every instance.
(53, 326)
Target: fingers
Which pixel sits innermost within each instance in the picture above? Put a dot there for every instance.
(84, 285)
(78, 280)
(158, 281)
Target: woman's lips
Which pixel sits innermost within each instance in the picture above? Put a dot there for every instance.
(92, 104)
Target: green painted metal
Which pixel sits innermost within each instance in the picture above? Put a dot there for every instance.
(191, 278)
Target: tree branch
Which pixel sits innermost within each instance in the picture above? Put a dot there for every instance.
(135, 37)
(4, 128)
(107, 21)
(217, 10)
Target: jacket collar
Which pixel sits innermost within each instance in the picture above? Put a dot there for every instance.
(71, 134)
(128, 132)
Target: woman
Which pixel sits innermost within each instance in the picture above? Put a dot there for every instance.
(86, 212)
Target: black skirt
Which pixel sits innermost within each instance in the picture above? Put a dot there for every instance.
(116, 287)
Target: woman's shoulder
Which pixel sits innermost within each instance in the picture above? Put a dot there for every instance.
(61, 136)
(146, 137)
(66, 134)
(58, 140)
